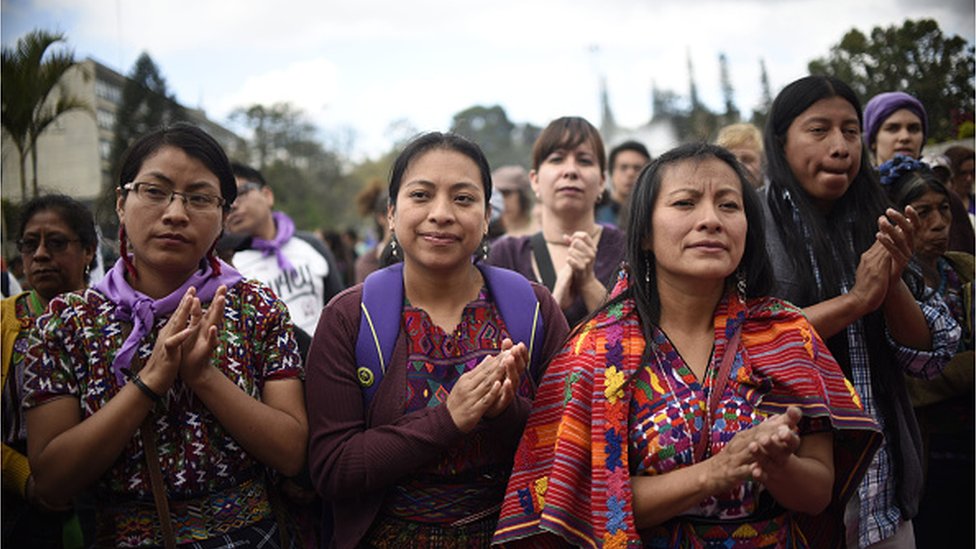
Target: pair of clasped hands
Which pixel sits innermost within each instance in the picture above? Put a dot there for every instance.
(578, 271)
(185, 343)
(487, 389)
(755, 453)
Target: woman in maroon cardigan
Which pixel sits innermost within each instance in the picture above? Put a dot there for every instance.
(425, 460)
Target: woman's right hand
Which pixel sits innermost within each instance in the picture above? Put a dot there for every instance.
(163, 365)
(872, 278)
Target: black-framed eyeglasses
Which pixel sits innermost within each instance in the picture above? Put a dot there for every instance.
(54, 244)
(158, 195)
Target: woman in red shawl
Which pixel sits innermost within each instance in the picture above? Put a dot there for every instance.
(689, 409)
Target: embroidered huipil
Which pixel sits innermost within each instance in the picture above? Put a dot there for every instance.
(601, 416)
(470, 476)
(74, 346)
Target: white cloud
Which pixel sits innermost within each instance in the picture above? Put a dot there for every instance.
(311, 85)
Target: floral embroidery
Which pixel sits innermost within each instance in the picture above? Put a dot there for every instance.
(541, 486)
(568, 390)
(614, 383)
(582, 337)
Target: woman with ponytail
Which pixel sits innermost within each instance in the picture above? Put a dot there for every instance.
(170, 387)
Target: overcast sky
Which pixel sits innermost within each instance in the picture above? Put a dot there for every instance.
(356, 67)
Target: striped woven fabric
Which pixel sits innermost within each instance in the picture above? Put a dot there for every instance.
(571, 478)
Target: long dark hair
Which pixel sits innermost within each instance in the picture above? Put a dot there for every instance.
(754, 266)
(863, 202)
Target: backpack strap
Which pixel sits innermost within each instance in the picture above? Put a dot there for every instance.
(379, 325)
(543, 260)
(519, 308)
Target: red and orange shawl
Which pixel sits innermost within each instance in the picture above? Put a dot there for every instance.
(571, 479)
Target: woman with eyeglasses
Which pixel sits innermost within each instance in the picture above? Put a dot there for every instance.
(57, 244)
(173, 385)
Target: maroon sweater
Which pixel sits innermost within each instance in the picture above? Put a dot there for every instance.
(355, 455)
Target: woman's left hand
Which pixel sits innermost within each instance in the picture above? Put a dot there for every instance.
(198, 348)
(581, 256)
(514, 359)
(896, 232)
(774, 445)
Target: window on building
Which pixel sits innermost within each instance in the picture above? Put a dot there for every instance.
(107, 91)
(106, 119)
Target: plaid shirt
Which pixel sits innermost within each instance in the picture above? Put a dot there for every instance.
(879, 515)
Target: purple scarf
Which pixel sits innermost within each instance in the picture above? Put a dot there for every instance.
(142, 310)
(285, 230)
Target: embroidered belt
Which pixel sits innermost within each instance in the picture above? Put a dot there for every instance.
(135, 523)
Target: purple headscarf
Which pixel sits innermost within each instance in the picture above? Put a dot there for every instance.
(883, 105)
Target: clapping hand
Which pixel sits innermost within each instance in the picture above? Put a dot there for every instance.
(199, 346)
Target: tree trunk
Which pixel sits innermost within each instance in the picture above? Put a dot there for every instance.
(33, 154)
(23, 175)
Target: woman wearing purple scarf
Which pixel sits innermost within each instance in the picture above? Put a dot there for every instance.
(171, 387)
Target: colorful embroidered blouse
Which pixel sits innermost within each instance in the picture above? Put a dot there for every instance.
(469, 477)
(78, 338)
(581, 445)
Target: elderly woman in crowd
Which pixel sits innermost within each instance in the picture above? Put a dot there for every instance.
(57, 243)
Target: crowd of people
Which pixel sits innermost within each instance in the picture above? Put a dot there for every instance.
(762, 342)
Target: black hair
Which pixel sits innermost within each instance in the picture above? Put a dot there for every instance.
(798, 222)
(630, 145)
(852, 219)
(248, 173)
(439, 140)
(74, 214)
(190, 139)
(912, 185)
(754, 265)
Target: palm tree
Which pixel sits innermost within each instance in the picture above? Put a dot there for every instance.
(30, 81)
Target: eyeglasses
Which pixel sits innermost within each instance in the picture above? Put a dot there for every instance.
(54, 244)
(248, 187)
(157, 195)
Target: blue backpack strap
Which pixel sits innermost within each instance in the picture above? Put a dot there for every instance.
(379, 325)
(516, 302)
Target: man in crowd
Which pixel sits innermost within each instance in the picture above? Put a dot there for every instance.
(626, 161)
(296, 265)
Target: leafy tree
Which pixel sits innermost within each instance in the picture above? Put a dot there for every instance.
(307, 179)
(491, 129)
(146, 104)
(33, 96)
(916, 57)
